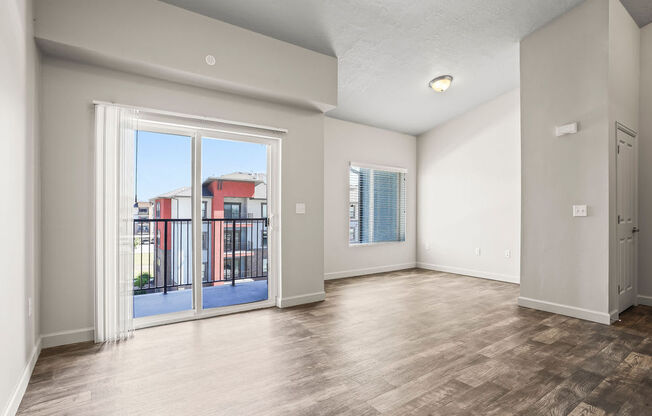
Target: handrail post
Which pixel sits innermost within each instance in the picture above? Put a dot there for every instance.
(233, 255)
(165, 258)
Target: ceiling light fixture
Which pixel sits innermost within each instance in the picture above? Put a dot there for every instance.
(441, 83)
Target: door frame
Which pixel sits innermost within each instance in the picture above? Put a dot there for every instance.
(163, 123)
(634, 135)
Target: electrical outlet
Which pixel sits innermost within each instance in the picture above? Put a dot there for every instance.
(427, 246)
(579, 211)
(477, 251)
(508, 253)
(30, 307)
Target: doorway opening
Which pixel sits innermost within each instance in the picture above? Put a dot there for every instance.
(202, 243)
(627, 216)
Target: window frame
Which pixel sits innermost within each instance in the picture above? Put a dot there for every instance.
(386, 168)
(231, 205)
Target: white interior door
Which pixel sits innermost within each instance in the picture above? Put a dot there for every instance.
(626, 188)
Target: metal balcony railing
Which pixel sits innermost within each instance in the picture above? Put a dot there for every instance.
(231, 249)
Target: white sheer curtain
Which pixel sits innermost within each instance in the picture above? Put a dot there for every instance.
(114, 198)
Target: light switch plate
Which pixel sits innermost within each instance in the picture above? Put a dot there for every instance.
(579, 211)
(300, 208)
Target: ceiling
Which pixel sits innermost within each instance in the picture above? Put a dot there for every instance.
(641, 10)
(388, 50)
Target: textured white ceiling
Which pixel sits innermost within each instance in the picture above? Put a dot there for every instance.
(641, 10)
(388, 50)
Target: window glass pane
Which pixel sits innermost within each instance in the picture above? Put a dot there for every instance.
(377, 205)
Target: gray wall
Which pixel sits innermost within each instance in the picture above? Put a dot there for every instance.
(346, 142)
(564, 76)
(67, 180)
(645, 170)
(19, 217)
(469, 192)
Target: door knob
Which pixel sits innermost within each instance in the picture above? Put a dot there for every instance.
(635, 230)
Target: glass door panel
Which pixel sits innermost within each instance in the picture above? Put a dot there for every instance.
(234, 227)
(163, 272)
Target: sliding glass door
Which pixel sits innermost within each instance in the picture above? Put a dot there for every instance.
(202, 232)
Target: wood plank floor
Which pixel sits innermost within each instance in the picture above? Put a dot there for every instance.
(404, 343)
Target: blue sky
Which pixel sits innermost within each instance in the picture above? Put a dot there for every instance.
(163, 161)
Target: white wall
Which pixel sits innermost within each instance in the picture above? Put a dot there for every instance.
(345, 142)
(624, 76)
(645, 170)
(469, 192)
(19, 217)
(564, 78)
(67, 182)
(153, 38)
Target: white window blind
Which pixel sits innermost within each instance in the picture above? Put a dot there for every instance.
(377, 204)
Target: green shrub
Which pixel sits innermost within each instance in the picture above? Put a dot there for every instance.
(142, 281)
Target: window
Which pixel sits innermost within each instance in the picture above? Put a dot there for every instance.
(204, 208)
(263, 210)
(204, 240)
(377, 204)
(158, 209)
(231, 210)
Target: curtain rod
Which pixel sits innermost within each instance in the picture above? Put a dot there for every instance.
(193, 117)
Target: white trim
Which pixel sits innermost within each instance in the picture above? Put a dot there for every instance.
(572, 311)
(378, 167)
(71, 336)
(21, 386)
(379, 243)
(470, 272)
(644, 300)
(301, 299)
(146, 124)
(368, 270)
(194, 117)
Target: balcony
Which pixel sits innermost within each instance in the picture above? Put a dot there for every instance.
(234, 264)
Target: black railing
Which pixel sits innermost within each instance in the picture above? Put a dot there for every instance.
(232, 249)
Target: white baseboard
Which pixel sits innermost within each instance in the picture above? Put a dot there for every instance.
(368, 270)
(19, 391)
(572, 311)
(470, 272)
(301, 299)
(67, 337)
(644, 300)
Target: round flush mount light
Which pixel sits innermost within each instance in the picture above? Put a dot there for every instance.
(441, 83)
(210, 60)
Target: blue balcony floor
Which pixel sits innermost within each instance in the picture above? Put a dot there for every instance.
(214, 296)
